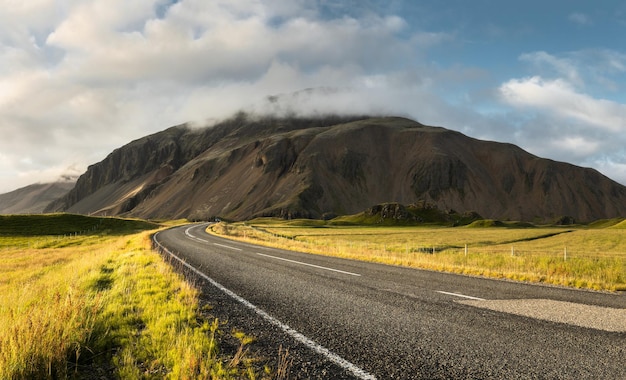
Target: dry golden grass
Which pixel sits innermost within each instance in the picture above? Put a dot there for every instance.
(576, 257)
(105, 306)
(46, 311)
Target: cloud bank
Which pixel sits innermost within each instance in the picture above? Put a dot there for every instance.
(81, 78)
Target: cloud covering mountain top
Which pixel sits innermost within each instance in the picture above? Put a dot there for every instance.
(80, 78)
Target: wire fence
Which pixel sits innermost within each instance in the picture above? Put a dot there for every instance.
(565, 253)
(514, 251)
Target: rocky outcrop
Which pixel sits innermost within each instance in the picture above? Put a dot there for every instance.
(315, 168)
(418, 213)
(393, 211)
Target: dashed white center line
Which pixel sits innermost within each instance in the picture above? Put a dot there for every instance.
(228, 246)
(307, 264)
(189, 235)
(461, 295)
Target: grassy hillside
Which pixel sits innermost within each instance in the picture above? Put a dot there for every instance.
(619, 225)
(65, 224)
(102, 305)
(582, 256)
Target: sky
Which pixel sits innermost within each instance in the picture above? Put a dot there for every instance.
(81, 78)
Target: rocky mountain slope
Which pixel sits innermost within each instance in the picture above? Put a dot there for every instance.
(33, 199)
(297, 167)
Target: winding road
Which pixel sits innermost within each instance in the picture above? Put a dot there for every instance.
(344, 319)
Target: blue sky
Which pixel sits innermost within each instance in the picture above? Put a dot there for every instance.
(81, 78)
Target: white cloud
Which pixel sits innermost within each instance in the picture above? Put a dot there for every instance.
(616, 166)
(558, 97)
(220, 41)
(82, 78)
(580, 144)
(589, 70)
(559, 116)
(563, 67)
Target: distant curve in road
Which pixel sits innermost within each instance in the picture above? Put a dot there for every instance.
(349, 319)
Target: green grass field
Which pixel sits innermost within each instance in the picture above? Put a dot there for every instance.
(591, 256)
(68, 224)
(101, 304)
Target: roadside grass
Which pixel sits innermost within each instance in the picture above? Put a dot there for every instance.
(579, 256)
(107, 306)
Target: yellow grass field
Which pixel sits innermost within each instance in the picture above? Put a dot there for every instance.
(580, 257)
(106, 305)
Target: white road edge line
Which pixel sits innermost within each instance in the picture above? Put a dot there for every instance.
(341, 362)
(460, 295)
(307, 264)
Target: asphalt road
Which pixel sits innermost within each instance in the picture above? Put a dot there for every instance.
(344, 319)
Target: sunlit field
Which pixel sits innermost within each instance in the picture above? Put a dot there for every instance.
(100, 303)
(584, 257)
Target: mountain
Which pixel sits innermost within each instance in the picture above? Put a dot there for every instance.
(33, 199)
(320, 167)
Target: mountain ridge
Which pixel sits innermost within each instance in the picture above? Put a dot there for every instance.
(33, 199)
(314, 167)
